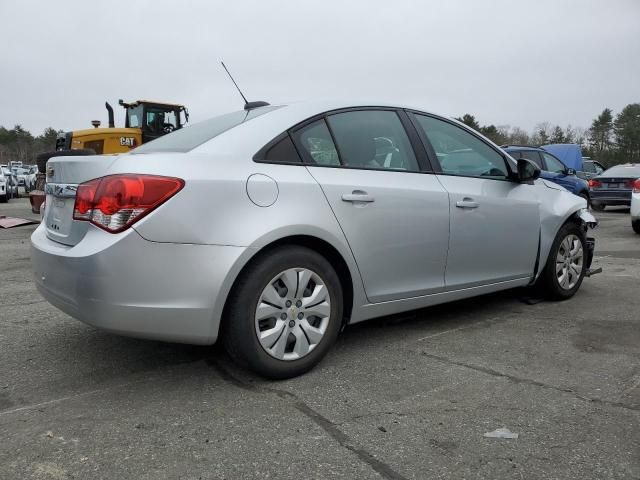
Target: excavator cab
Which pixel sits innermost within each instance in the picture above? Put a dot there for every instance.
(154, 119)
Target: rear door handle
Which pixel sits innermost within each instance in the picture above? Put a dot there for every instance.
(467, 203)
(357, 196)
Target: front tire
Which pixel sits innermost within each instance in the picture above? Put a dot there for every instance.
(635, 224)
(566, 264)
(284, 313)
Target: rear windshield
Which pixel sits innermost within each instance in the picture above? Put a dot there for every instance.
(190, 137)
(623, 171)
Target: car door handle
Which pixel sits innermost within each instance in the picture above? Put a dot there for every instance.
(357, 196)
(467, 203)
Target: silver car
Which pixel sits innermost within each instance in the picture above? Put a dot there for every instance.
(289, 222)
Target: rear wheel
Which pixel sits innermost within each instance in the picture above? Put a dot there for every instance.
(635, 224)
(566, 263)
(599, 207)
(284, 314)
(4, 198)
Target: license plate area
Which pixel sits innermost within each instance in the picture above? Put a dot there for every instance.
(59, 211)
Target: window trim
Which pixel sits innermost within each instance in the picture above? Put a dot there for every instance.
(422, 158)
(511, 177)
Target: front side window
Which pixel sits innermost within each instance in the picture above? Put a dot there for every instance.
(461, 153)
(372, 139)
(553, 164)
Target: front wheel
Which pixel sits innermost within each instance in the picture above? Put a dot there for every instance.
(635, 224)
(284, 314)
(566, 264)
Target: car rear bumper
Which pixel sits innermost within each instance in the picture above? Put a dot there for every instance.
(127, 285)
(622, 197)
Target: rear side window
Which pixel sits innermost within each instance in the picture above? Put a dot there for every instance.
(533, 156)
(461, 153)
(372, 139)
(190, 137)
(317, 144)
(282, 151)
(588, 167)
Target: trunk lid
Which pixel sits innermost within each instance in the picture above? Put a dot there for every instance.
(64, 174)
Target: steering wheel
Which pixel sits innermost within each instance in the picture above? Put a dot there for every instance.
(168, 128)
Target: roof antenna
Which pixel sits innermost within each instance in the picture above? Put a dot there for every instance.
(247, 105)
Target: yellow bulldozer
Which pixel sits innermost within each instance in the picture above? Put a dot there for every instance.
(144, 121)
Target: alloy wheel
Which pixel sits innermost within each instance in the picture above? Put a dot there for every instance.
(292, 314)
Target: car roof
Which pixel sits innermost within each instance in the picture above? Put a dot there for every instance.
(250, 136)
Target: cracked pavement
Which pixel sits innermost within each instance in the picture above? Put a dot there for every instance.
(402, 397)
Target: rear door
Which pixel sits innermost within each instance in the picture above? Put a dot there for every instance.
(394, 215)
(495, 222)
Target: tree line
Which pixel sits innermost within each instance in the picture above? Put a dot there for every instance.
(609, 140)
(19, 144)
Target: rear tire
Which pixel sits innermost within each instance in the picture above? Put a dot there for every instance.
(598, 207)
(4, 198)
(635, 224)
(566, 264)
(289, 315)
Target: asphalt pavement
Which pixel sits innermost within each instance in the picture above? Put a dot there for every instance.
(403, 397)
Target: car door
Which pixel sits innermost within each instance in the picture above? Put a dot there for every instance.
(495, 222)
(394, 215)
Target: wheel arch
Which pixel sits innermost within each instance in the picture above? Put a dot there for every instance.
(345, 269)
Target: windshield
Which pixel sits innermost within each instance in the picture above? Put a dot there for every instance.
(135, 116)
(623, 171)
(188, 138)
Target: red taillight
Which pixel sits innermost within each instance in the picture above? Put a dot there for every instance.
(595, 183)
(636, 186)
(116, 202)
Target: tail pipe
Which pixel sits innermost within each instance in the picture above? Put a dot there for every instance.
(112, 123)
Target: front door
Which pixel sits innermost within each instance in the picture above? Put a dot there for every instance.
(395, 218)
(495, 222)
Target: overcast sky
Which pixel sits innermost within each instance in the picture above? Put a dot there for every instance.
(507, 62)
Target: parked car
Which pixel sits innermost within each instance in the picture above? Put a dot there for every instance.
(5, 187)
(11, 183)
(551, 168)
(635, 207)
(590, 169)
(25, 179)
(614, 186)
(324, 223)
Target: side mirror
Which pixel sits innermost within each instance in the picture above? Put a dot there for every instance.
(527, 170)
(570, 171)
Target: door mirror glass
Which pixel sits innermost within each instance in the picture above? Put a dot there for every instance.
(527, 170)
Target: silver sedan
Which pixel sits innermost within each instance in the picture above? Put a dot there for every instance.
(286, 223)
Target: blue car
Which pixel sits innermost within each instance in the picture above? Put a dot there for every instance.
(551, 168)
